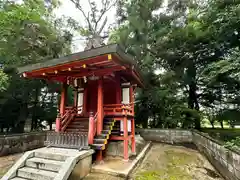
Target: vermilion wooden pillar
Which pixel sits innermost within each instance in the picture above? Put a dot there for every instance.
(100, 106)
(85, 101)
(118, 90)
(100, 114)
(75, 97)
(125, 142)
(132, 120)
(62, 107)
(63, 98)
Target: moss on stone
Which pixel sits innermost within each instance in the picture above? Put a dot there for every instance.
(175, 168)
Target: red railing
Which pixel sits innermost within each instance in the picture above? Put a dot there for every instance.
(69, 115)
(70, 112)
(119, 109)
(92, 127)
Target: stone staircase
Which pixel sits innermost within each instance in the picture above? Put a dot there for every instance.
(79, 124)
(100, 141)
(46, 164)
(39, 168)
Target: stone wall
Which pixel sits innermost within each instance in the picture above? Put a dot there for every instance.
(226, 161)
(166, 135)
(18, 143)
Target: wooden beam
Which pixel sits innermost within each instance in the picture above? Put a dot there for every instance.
(100, 72)
(69, 65)
(136, 78)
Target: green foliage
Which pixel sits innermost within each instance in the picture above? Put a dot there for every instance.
(234, 143)
(198, 41)
(3, 81)
(29, 33)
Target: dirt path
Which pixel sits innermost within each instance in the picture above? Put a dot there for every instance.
(7, 161)
(170, 162)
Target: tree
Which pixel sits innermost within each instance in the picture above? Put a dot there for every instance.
(29, 33)
(184, 37)
(3, 81)
(95, 20)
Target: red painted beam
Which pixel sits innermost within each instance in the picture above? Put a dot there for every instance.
(100, 72)
(65, 66)
(119, 138)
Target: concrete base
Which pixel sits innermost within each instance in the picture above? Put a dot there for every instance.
(115, 148)
(82, 168)
(117, 167)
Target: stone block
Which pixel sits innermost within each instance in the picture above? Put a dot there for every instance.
(82, 168)
(21, 142)
(116, 148)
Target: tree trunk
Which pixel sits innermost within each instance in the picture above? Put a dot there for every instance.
(34, 112)
(192, 95)
(221, 122)
(212, 123)
(22, 118)
(50, 126)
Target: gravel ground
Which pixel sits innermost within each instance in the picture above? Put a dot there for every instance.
(171, 162)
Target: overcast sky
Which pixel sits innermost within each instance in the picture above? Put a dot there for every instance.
(67, 8)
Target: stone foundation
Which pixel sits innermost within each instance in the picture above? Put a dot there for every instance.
(18, 143)
(115, 148)
(82, 168)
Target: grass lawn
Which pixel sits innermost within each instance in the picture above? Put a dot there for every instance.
(171, 162)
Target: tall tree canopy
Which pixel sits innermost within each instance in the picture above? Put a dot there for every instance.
(196, 41)
(188, 52)
(29, 33)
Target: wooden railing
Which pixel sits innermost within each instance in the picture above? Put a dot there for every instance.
(119, 109)
(92, 127)
(70, 113)
(67, 140)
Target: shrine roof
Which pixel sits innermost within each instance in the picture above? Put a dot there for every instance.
(82, 56)
(100, 61)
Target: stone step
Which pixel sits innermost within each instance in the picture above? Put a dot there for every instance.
(81, 119)
(102, 136)
(76, 123)
(108, 120)
(98, 146)
(105, 132)
(35, 174)
(44, 164)
(80, 126)
(108, 123)
(107, 127)
(76, 130)
(99, 141)
(18, 178)
(50, 156)
(115, 132)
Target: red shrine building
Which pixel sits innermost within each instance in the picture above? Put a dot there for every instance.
(104, 80)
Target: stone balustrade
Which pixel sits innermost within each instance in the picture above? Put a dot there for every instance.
(18, 143)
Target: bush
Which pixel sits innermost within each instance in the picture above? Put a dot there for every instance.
(234, 143)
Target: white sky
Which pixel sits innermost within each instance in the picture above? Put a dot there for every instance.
(67, 8)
